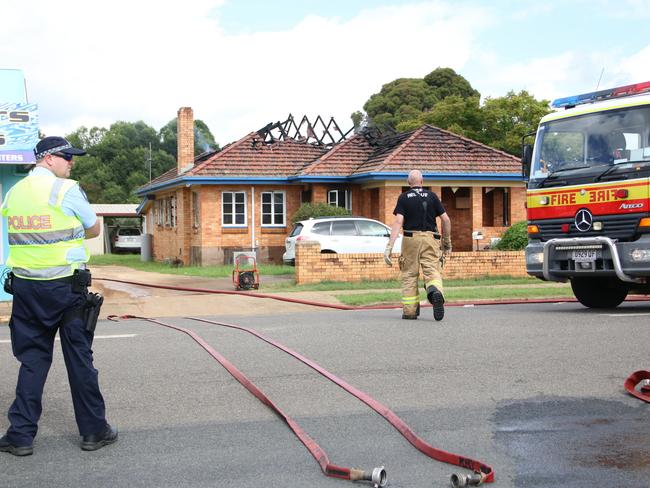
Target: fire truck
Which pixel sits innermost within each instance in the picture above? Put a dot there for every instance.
(588, 196)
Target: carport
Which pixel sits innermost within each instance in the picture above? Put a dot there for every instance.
(106, 212)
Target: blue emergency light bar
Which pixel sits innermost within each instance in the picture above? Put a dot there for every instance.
(621, 91)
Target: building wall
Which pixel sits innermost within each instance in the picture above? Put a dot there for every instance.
(314, 267)
(211, 243)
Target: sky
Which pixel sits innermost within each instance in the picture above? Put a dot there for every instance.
(241, 64)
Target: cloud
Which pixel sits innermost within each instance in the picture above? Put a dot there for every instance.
(91, 63)
(567, 73)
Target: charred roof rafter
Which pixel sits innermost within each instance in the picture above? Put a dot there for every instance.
(305, 131)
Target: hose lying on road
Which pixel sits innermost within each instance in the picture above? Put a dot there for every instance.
(377, 476)
(642, 380)
(482, 472)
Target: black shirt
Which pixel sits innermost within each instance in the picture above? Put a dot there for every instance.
(410, 205)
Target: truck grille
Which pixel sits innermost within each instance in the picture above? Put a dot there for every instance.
(621, 227)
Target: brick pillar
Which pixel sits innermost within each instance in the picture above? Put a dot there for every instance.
(387, 201)
(517, 204)
(185, 139)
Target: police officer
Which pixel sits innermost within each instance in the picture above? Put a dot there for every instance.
(416, 212)
(48, 217)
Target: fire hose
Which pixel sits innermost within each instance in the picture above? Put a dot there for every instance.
(482, 473)
(640, 379)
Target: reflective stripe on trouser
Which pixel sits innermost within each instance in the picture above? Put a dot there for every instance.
(420, 251)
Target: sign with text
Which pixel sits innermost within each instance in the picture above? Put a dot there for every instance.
(18, 132)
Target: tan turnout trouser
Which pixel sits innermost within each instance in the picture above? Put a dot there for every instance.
(421, 250)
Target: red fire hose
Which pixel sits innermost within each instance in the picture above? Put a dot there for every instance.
(482, 472)
(376, 476)
(640, 379)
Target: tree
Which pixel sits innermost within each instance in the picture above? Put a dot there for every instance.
(406, 99)
(203, 138)
(446, 82)
(507, 119)
(117, 160)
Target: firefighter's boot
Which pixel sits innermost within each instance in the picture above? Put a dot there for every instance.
(438, 301)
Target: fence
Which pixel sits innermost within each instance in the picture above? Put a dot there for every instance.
(314, 267)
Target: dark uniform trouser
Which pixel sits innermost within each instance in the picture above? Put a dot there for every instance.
(420, 250)
(37, 312)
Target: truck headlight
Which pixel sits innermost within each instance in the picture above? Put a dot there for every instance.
(640, 255)
(535, 257)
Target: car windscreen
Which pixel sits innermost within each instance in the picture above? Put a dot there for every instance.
(375, 229)
(344, 228)
(296, 230)
(128, 232)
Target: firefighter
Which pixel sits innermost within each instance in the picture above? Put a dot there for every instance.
(48, 217)
(416, 212)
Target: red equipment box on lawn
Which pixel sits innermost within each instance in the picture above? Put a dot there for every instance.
(245, 279)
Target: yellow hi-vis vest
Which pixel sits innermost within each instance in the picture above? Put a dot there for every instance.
(40, 233)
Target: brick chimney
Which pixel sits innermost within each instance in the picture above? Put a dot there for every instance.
(185, 141)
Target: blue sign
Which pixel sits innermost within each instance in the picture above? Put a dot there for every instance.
(18, 132)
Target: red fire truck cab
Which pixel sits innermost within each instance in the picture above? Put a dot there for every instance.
(588, 196)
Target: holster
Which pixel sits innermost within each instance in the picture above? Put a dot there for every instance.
(9, 283)
(81, 280)
(88, 312)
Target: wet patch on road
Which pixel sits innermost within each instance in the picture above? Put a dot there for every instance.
(575, 442)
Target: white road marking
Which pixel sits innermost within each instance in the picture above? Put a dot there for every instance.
(115, 336)
(625, 314)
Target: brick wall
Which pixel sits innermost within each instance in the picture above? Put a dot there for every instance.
(314, 267)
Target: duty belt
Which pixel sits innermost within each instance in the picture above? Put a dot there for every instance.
(409, 233)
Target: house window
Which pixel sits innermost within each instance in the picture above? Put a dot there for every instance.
(340, 198)
(165, 211)
(196, 210)
(233, 208)
(273, 208)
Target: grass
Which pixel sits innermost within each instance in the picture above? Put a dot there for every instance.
(486, 281)
(461, 294)
(222, 271)
(485, 288)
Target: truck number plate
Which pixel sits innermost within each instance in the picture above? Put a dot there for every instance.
(585, 255)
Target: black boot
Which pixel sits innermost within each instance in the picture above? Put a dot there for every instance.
(438, 301)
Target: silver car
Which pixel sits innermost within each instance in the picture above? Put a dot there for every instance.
(344, 235)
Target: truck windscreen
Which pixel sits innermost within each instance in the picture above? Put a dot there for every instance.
(591, 143)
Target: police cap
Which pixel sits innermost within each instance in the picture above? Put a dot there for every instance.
(53, 144)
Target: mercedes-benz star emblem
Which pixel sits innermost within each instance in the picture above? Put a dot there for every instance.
(583, 220)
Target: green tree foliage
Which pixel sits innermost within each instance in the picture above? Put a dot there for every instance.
(515, 238)
(203, 138)
(309, 210)
(406, 99)
(117, 160)
(445, 82)
(507, 119)
(446, 100)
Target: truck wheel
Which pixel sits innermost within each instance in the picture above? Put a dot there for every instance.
(599, 292)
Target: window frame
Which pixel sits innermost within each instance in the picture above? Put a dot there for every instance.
(273, 213)
(347, 194)
(234, 213)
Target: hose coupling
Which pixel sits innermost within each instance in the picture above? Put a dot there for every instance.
(377, 476)
(462, 480)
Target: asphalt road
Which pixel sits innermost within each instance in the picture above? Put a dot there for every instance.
(536, 391)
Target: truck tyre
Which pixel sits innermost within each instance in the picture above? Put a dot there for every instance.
(599, 292)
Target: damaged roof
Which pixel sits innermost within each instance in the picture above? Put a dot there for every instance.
(432, 150)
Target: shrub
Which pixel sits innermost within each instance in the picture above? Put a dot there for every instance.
(515, 238)
(308, 210)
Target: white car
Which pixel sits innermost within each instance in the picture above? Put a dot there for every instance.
(127, 239)
(344, 235)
